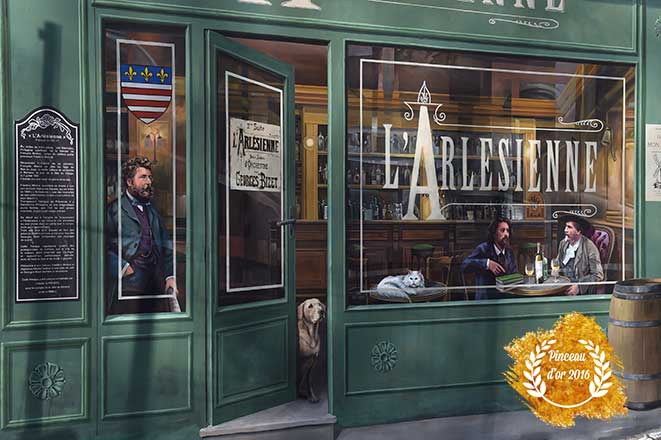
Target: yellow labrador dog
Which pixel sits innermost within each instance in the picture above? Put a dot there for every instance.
(310, 313)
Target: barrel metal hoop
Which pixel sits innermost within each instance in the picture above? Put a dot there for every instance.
(634, 324)
(647, 285)
(633, 376)
(644, 296)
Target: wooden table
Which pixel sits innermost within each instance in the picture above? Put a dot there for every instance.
(552, 286)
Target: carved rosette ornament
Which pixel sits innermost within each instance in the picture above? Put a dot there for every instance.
(657, 27)
(46, 381)
(384, 356)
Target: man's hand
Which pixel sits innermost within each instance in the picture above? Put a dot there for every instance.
(572, 290)
(496, 268)
(172, 283)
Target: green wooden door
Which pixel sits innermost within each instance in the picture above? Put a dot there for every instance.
(251, 162)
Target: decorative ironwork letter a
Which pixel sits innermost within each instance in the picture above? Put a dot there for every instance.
(424, 153)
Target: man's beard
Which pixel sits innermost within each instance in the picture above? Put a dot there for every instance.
(503, 243)
(144, 195)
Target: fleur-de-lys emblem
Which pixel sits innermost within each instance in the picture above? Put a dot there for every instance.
(162, 75)
(130, 73)
(146, 74)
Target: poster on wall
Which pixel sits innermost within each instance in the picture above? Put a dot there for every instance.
(47, 215)
(653, 162)
(255, 156)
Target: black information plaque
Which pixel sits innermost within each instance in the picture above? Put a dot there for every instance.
(46, 148)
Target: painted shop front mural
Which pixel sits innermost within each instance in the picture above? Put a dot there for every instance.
(214, 208)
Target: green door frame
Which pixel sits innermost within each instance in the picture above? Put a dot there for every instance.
(249, 321)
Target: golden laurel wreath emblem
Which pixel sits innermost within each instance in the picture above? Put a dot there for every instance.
(598, 385)
(572, 362)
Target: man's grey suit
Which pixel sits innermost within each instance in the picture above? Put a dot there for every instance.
(586, 263)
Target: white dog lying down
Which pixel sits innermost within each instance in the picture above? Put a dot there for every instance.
(310, 313)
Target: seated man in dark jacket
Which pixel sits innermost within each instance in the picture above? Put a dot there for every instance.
(492, 258)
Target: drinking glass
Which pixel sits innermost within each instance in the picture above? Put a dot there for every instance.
(530, 270)
(555, 267)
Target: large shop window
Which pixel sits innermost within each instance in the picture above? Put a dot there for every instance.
(144, 117)
(475, 177)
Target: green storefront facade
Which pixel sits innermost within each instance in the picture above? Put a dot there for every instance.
(136, 374)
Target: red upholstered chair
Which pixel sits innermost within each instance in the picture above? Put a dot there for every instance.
(604, 238)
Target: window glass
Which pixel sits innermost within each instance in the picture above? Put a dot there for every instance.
(144, 164)
(475, 177)
(250, 189)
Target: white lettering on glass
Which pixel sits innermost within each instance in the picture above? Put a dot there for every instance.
(466, 186)
(551, 5)
(484, 163)
(552, 153)
(301, 4)
(395, 183)
(448, 168)
(519, 148)
(298, 4)
(535, 180)
(503, 151)
(590, 178)
(495, 157)
(424, 153)
(572, 166)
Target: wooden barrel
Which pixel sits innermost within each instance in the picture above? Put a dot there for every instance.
(634, 331)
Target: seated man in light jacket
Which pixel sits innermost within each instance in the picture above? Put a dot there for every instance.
(578, 256)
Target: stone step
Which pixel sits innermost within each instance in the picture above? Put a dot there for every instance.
(296, 420)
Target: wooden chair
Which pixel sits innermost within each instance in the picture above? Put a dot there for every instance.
(447, 265)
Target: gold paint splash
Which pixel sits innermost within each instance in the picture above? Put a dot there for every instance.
(571, 334)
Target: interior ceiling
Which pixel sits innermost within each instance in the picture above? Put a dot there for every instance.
(309, 60)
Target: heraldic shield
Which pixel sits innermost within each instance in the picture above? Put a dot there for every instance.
(146, 90)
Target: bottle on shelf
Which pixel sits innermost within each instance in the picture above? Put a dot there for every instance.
(407, 176)
(326, 173)
(387, 211)
(539, 265)
(320, 177)
(398, 211)
(367, 212)
(376, 210)
(321, 142)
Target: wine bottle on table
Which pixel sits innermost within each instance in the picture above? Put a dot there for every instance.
(539, 265)
(545, 265)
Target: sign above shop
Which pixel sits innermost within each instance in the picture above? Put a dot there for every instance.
(560, 23)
